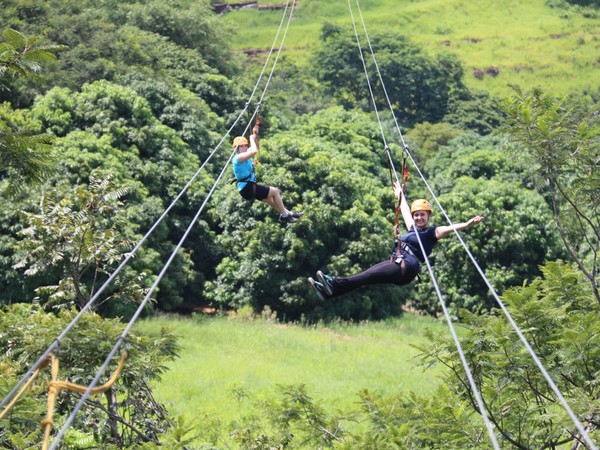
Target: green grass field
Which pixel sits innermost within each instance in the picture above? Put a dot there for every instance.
(223, 358)
(528, 42)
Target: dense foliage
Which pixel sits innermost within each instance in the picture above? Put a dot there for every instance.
(181, 42)
(418, 87)
(112, 130)
(148, 127)
(140, 95)
(129, 413)
(562, 138)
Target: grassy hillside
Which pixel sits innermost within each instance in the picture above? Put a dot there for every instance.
(526, 42)
(222, 359)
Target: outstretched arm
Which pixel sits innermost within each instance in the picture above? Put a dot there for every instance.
(444, 231)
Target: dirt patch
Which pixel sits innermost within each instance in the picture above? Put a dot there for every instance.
(491, 71)
(253, 52)
(222, 8)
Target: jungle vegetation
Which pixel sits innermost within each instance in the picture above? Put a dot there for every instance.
(108, 109)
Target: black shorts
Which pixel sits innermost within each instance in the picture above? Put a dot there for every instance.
(256, 191)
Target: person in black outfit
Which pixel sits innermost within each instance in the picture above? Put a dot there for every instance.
(404, 263)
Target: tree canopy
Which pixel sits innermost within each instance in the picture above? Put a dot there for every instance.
(419, 87)
(142, 92)
(562, 142)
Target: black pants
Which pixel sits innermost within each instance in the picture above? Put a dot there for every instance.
(380, 273)
(254, 190)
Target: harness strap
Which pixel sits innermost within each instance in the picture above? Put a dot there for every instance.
(245, 179)
(397, 255)
(406, 248)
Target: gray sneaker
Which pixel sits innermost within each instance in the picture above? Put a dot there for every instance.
(287, 219)
(318, 287)
(326, 282)
(296, 214)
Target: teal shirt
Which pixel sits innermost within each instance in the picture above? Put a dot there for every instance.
(243, 171)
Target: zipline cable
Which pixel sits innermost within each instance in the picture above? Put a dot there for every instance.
(142, 305)
(137, 313)
(55, 343)
(259, 104)
(582, 430)
(101, 289)
(479, 400)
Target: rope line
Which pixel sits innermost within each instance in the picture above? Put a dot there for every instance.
(478, 398)
(582, 430)
(142, 305)
(56, 386)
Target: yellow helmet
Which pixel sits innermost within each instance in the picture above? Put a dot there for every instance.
(420, 205)
(240, 140)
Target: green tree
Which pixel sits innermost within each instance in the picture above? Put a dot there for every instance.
(181, 110)
(112, 128)
(558, 316)
(182, 41)
(474, 111)
(561, 139)
(292, 419)
(25, 155)
(408, 421)
(418, 87)
(79, 240)
(426, 138)
(189, 24)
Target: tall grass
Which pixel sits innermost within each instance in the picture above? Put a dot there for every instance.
(225, 365)
(529, 42)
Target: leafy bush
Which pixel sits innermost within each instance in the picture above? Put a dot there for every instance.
(129, 413)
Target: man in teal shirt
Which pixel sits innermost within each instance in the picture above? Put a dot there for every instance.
(245, 175)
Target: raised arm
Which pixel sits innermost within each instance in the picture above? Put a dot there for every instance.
(404, 208)
(251, 152)
(255, 142)
(444, 231)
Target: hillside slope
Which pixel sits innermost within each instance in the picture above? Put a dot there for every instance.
(500, 42)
